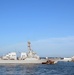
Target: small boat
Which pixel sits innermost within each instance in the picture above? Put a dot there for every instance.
(49, 62)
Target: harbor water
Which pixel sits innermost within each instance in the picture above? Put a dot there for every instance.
(60, 68)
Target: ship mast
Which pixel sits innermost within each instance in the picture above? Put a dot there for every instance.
(29, 46)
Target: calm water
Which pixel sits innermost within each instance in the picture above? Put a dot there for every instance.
(61, 68)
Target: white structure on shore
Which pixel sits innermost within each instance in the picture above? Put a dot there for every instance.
(67, 59)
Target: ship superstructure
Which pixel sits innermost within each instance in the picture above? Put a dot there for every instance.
(30, 55)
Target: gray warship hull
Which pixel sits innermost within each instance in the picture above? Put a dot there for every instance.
(22, 61)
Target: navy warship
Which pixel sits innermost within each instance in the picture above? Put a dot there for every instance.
(29, 57)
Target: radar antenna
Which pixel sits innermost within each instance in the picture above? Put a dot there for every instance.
(29, 46)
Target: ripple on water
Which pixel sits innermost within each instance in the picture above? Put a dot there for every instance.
(61, 68)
